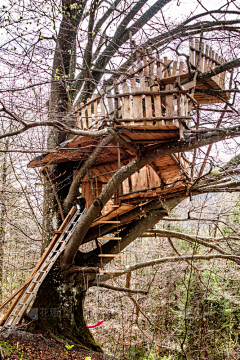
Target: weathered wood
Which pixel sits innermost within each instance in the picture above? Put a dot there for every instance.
(174, 68)
(206, 67)
(89, 112)
(196, 51)
(189, 85)
(109, 238)
(201, 67)
(148, 92)
(157, 106)
(126, 102)
(95, 108)
(110, 255)
(84, 123)
(111, 271)
(108, 221)
(165, 73)
(157, 118)
(181, 68)
(191, 52)
(103, 109)
(169, 102)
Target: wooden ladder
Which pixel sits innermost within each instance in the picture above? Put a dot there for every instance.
(19, 307)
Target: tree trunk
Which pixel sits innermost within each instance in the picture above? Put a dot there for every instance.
(59, 308)
(3, 213)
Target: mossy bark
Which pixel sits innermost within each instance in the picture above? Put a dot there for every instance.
(59, 310)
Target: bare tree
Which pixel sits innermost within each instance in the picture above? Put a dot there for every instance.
(85, 53)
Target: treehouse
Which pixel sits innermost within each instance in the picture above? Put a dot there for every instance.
(147, 106)
(151, 104)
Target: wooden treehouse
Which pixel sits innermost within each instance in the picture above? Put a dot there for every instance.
(147, 106)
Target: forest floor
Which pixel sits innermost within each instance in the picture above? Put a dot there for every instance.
(25, 346)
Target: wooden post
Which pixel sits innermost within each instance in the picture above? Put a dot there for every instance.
(169, 105)
(103, 109)
(83, 116)
(196, 51)
(191, 52)
(95, 109)
(166, 71)
(201, 67)
(181, 68)
(78, 118)
(89, 111)
(126, 101)
(206, 59)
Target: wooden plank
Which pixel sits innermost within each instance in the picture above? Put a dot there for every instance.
(87, 193)
(151, 68)
(125, 186)
(158, 107)
(126, 102)
(189, 85)
(174, 68)
(84, 122)
(201, 68)
(159, 72)
(196, 51)
(169, 102)
(206, 59)
(209, 60)
(137, 101)
(191, 52)
(165, 59)
(110, 255)
(111, 271)
(145, 70)
(103, 109)
(222, 77)
(109, 238)
(217, 77)
(181, 68)
(95, 109)
(78, 118)
(110, 101)
(108, 221)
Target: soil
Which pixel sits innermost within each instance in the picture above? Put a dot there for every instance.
(26, 346)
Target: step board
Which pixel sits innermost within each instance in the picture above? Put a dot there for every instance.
(110, 255)
(109, 238)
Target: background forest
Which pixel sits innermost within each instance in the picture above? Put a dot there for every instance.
(186, 303)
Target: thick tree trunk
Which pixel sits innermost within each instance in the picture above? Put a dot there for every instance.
(59, 310)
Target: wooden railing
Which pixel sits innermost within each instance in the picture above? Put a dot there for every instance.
(148, 95)
(209, 60)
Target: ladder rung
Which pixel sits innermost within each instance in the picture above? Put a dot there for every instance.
(109, 238)
(108, 222)
(111, 271)
(110, 255)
